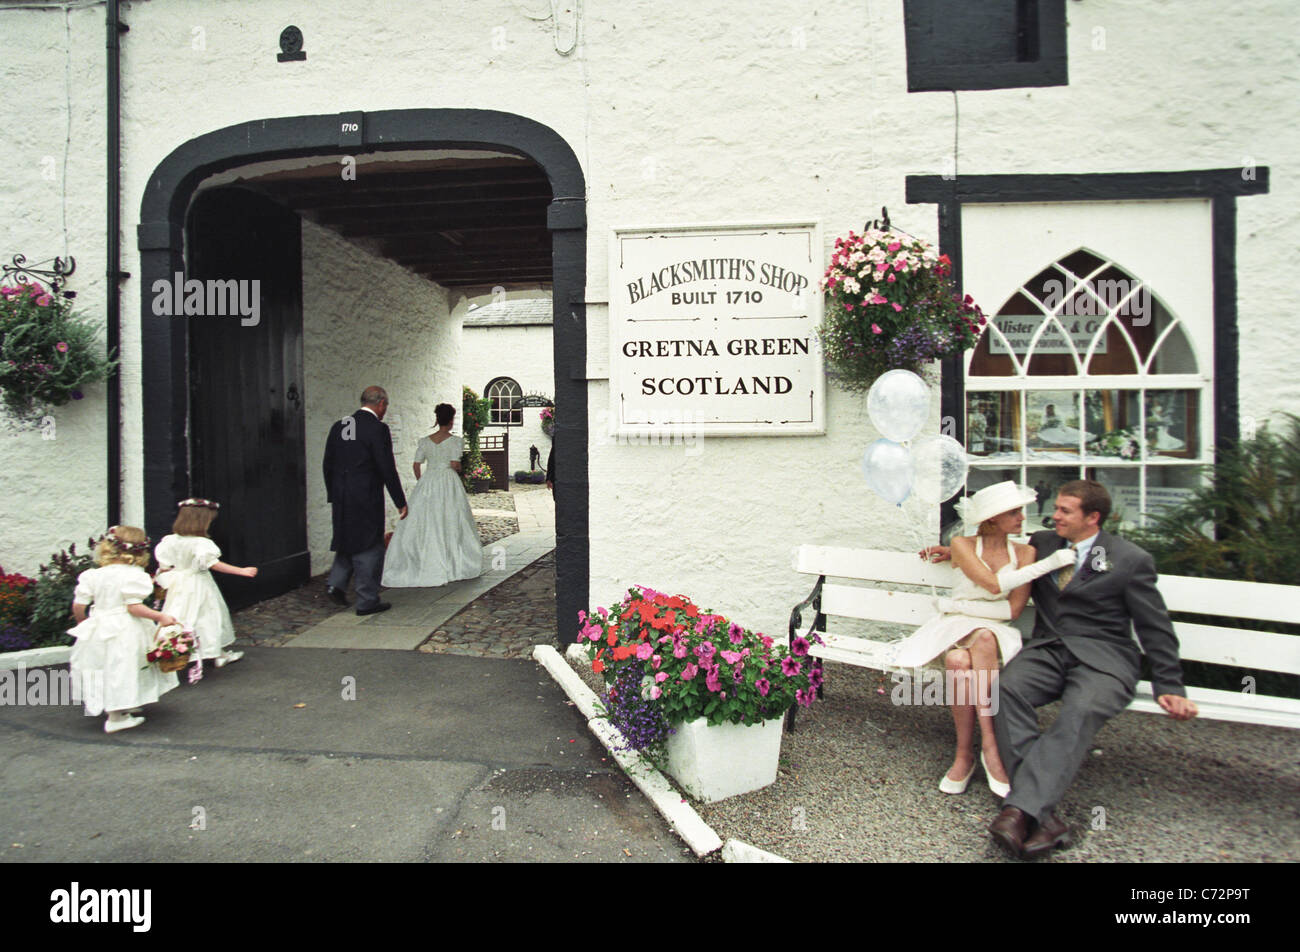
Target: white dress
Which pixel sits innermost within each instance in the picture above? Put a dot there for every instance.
(438, 540)
(192, 594)
(108, 664)
(928, 644)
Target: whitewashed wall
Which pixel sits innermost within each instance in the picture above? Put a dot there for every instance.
(366, 321)
(716, 112)
(524, 354)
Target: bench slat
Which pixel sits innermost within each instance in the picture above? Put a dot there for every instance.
(900, 568)
(1264, 650)
(877, 604)
(1228, 706)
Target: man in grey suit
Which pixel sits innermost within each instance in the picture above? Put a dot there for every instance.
(1082, 653)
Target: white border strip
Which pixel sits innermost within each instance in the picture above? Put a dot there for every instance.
(699, 836)
(35, 657)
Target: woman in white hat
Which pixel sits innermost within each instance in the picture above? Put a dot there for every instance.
(966, 639)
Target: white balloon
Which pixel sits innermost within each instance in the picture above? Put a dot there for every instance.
(889, 470)
(941, 468)
(899, 404)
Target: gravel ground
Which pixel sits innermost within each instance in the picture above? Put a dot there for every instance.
(859, 782)
(507, 621)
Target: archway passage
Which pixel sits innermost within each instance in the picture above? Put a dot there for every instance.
(166, 340)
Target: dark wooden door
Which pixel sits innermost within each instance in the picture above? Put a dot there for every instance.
(246, 391)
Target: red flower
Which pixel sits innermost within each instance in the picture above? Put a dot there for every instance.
(597, 666)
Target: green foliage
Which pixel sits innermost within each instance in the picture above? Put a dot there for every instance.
(48, 354)
(52, 603)
(473, 417)
(1240, 525)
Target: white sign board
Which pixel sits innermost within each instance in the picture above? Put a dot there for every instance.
(714, 329)
(1019, 330)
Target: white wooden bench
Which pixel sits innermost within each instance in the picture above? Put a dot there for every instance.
(838, 593)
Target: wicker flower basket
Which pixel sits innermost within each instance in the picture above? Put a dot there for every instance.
(168, 665)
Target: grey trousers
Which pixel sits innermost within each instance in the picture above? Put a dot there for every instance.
(368, 567)
(1042, 765)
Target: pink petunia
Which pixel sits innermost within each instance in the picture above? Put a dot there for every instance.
(790, 667)
(61, 347)
(731, 657)
(875, 329)
(898, 307)
(661, 677)
(800, 645)
(644, 651)
(711, 679)
(690, 671)
(763, 685)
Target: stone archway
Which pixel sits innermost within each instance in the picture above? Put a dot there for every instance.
(165, 340)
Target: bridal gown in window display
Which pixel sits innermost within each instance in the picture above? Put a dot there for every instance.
(438, 540)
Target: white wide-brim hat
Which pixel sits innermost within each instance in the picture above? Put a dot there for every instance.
(994, 500)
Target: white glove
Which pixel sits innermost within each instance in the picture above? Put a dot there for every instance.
(1057, 560)
(1000, 609)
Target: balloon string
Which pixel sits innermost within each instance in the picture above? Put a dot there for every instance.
(916, 537)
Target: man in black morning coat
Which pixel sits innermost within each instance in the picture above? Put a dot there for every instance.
(1082, 652)
(358, 465)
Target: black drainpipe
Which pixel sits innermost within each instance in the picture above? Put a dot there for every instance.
(115, 275)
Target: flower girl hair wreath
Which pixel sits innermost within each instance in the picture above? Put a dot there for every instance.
(123, 545)
(195, 517)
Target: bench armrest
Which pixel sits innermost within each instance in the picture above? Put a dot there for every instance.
(814, 600)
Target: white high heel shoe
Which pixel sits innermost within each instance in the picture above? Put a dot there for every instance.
(956, 786)
(999, 788)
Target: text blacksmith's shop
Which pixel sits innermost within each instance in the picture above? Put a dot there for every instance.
(311, 195)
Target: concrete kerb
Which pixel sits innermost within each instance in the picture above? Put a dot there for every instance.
(35, 657)
(699, 836)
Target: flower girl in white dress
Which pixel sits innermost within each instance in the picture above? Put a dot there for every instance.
(108, 665)
(186, 560)
(966, 638)
(438, 540)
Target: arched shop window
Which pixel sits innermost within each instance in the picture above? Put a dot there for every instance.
(506, 402)
(1085, 373)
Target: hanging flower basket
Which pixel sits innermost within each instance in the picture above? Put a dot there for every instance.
(48, 354)
(891, 304)
(548, 420)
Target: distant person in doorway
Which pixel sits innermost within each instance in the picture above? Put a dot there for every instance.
(534, 457)
(358, 466)
(439, 543)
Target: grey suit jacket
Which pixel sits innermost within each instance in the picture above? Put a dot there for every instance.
(1093, 614)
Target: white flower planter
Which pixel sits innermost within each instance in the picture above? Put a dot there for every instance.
(713, 763)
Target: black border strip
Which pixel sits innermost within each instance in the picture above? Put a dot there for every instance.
(1220, 186)
(164, 341)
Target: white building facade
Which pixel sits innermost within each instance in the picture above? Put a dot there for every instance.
(1083, 144)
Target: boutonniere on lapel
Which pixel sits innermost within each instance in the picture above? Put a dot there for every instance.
(1097, 560)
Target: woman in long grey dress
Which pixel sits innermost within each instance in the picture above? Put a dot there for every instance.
(438, 541)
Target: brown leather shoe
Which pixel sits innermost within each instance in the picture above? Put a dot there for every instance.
(1009, 830)
(1052, 832)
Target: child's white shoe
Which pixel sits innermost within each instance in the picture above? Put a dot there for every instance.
(228, 657)
(113, 725)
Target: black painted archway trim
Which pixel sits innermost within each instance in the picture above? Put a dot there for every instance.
(1220, 186)
(164, 340)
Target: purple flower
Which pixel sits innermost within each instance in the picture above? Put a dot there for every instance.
(736, 633)
(815, 678)
(790, 667)
(738, 673)
(77, 395)
(763, 685)
(705, 651)
(800, 645)
(804, 697)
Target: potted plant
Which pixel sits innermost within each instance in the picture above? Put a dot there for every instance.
(16, 592)
(477, 473)
(891, 304)
(48, 354)
(697, 691)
